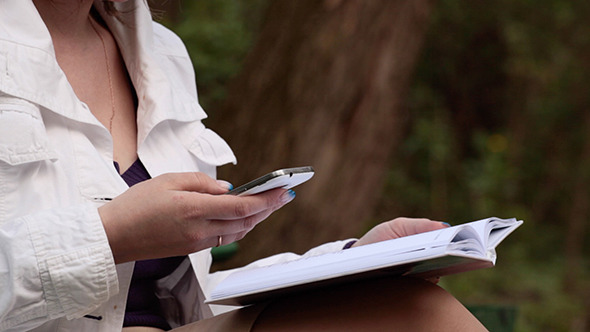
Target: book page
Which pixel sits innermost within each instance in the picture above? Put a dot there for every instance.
(445, 251)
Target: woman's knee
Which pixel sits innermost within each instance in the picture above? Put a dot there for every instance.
(401, 303)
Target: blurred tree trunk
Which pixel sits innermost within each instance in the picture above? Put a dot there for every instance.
(325, 86)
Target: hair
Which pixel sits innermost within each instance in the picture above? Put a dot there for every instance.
(110, 8)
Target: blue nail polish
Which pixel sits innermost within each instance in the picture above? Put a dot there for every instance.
(225, 184)
(288, 196)
(446, 224)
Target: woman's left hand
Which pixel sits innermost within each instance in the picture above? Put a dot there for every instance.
(400, 227)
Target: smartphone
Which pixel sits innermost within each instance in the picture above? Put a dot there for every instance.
(283, 178)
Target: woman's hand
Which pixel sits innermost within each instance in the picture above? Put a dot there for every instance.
(176, 214)
(399, 227)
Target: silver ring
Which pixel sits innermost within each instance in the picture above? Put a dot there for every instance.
(219, 239)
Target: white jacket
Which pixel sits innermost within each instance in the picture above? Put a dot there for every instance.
(57, 272)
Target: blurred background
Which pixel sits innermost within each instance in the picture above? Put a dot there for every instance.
(450, 110)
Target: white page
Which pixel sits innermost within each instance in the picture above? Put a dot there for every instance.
(334, 264)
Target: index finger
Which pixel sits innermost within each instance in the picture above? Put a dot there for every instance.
(230, 207)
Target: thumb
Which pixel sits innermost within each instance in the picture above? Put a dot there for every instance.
(423, 225)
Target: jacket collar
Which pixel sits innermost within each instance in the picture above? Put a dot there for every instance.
(29, 69)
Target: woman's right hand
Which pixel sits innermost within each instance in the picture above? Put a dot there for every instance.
(179, 213)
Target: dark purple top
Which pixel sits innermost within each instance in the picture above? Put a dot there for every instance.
(143, 307)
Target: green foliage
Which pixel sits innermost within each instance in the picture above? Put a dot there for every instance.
(218, 34)
(498, 125)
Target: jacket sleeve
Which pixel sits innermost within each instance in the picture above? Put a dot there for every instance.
(53, 264)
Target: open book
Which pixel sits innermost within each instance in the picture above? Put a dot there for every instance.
(446, 251)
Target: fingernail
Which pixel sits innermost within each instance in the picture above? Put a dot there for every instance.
(287, 196)
(225, 184)
(446, 224)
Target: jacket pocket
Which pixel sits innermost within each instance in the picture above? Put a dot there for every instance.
(23, 138)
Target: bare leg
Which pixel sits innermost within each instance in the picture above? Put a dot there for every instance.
(399, 304)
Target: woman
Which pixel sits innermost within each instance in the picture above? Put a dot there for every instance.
(95, 102)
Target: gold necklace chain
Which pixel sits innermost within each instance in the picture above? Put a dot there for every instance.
(106, 59)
